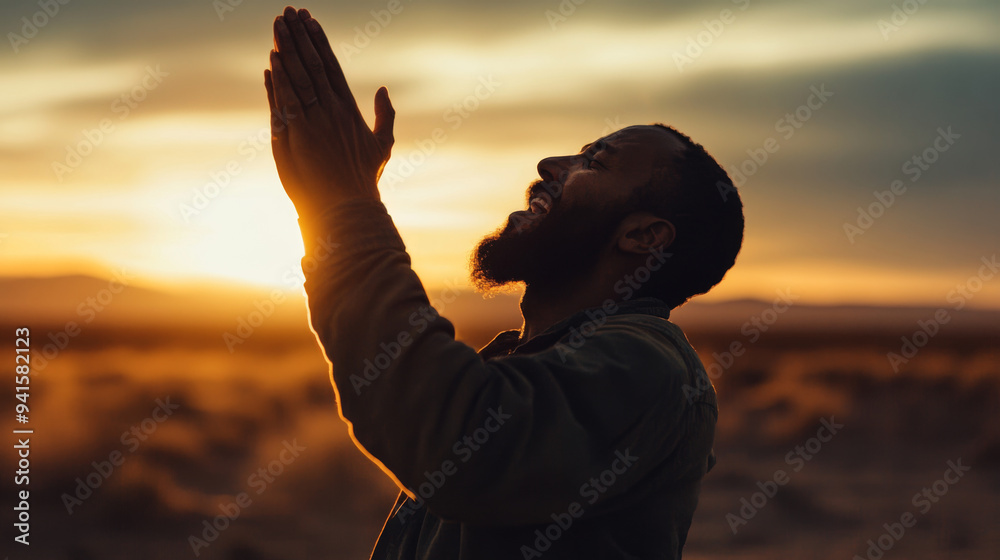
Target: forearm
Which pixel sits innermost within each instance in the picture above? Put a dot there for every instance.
(396, 365)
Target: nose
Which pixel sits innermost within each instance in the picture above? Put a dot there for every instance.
(553, 168)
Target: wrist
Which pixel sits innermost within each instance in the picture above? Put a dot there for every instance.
(352, 225)
(314, 210)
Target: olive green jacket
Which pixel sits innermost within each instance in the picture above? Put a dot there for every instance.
(589, 440)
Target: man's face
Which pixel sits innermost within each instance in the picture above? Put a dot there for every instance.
(573, 211)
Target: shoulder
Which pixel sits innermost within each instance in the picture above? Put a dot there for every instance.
(682, 369)
(656, 331)
(637, 349)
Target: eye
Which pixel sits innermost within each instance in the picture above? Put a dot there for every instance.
(592, 161)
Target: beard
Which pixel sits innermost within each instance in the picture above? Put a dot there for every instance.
(550, 251)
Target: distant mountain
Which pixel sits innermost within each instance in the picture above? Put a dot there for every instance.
(85, 299)
(54, 301)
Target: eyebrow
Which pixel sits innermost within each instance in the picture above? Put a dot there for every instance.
(611, 150)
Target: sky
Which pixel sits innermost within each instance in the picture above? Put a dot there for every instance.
(861, 134)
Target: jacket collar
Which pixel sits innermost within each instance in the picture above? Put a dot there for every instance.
(508, 342)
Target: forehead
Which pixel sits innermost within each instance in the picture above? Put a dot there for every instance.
(639, 143)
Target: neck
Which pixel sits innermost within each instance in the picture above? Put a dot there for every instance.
(542, 307)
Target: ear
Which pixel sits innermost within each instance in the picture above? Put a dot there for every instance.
(641, 232)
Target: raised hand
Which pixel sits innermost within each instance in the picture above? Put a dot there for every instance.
(323, 149)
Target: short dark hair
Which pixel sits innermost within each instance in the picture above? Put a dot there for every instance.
(695, 193)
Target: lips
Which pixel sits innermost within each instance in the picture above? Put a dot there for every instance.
(540, 203)
(542, 196)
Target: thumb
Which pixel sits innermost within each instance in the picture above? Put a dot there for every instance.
(385, 116)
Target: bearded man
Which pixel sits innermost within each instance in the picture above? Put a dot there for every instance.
(583, 434)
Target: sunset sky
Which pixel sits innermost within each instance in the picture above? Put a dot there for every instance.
(134, 134)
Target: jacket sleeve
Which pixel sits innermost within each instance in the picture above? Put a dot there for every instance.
(501, 441)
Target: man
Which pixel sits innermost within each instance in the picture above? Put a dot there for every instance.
(584, 434)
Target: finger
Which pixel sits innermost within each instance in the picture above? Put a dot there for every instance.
(279, 127)
(285, 99)
(334, 73)
(269, 87)
(279, 122)
(308, 55)
(385, 116)
(291, 62)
